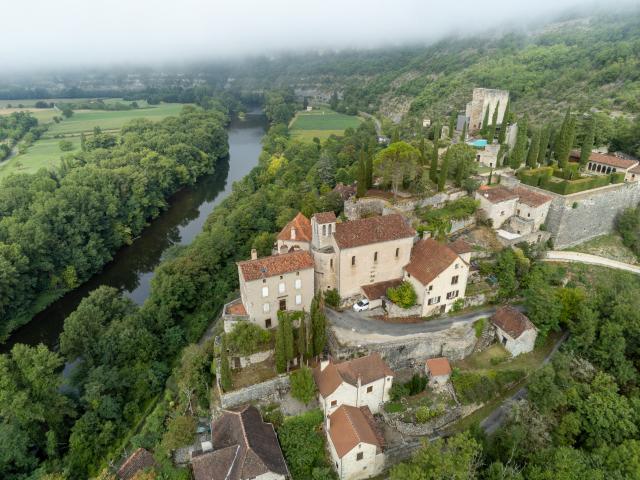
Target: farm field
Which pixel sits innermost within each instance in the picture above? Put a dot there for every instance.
(321, 123)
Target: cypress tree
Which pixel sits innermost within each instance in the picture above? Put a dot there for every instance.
(318, 327)
(517, 156)
(361, 188)
(587, 143)
(534, 149)
(494, 123)
(544, 144)
(303, 349)
(442, 178)
(435, 131)
(225, 369)
(287, 329)
(505, 122)
(463, 135)
(423, 153)
(562, 146)
(485, 121)
(433, 169)
(369, 169)
(452, 124)
(280, 354)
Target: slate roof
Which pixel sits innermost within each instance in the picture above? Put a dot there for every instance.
(374, 291)
(349, 426)
(303, 229)
(372, 230)
(138, 460)
(497, 194)
(275, 265)
(610, 160)
(511, 321)
(429, 259)
(438, 366)
(531, 198)
(369, 368)
(324, 217)
(244, 448)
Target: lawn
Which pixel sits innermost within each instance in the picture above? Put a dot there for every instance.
(608, 246)
(321, 123)
(42, 153)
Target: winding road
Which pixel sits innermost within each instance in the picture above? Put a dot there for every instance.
(578, 257)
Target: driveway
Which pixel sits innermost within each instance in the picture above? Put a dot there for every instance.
(562, 256)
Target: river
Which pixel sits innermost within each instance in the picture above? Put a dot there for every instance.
(131, 269)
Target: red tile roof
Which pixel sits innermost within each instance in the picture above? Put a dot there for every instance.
(275, 265)
(374, 291)
(496, 194)
(236, 309)
(369, 368)
(429, 259)
(302, 227)
(511, 321)
(604, 159)
(350, 426)
(372, 230)
(138, 460)
(531, 198)
(460, 246)
(324, 217)
(438, 366)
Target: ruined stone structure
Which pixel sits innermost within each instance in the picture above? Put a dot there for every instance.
(482, 99)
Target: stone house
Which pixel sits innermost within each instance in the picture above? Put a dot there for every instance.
(355, 445)
(438, 371)
(488, 155)
(483, 99)
(514, 330)
(438, 275)
(295, 235)
(242, 447)
(270, 284)
(358, 382)
(604, 164)
(139, 460)
(498, 203)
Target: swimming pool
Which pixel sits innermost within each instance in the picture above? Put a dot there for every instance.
(480, 143)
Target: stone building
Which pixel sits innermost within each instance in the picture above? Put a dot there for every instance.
(355, 445)
(488, 155)
(483, 99)
(438, 371)
(295, 235)
(514, 330)
(242, 447)
(361, 381)
(139, 460)
(438, 275)
(603, 164)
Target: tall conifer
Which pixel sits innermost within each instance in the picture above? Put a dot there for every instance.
(587, 143)
(494, 123)
(534, 149)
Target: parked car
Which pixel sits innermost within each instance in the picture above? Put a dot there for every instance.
(361, 305)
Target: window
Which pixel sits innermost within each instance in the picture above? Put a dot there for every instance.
(353, 261)
(281, 277)
(433, 301)
(331, 264)
(298, 299)
(452, 294)
(430, 288)
(370, 389)
(283, 304)
(330, 228)
(528, 214)
(264, 280)
(267, 323)
(265, 307)
(454, 280)
(502, 213)
(375, 256)
(324, 230)
(281, 287)
(397, 252)
(334, 403)
(265, 291)
(518, 212)
(298, 284)
(359, 456)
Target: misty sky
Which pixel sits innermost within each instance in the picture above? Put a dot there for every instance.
(45, 33)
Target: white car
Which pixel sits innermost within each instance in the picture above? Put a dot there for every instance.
(361, 305)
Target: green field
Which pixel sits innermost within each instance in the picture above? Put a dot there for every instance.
(46, 151)
(321, 123)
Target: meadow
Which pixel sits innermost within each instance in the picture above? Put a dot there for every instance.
(321, 123)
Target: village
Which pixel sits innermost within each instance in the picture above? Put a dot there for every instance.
(393, 328)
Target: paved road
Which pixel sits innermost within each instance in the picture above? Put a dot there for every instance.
(491, 423)
(375, 121)
(563, 256)
(362, 322)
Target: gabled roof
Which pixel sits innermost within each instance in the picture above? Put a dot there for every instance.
(496, 194)
(438, 366)
(531, 198)
(324, 217)
(372, 230)
(275, 265)
(244, 448)
(429, 259)
(350, 426)
(302, 227)
(511, 321)
(138, 460)
(610, 160)
(369, 368)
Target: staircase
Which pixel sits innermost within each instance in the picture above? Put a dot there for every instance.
(487, 337)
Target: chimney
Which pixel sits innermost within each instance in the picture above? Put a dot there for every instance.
(293, 233)
(254, 254)
(324, 364)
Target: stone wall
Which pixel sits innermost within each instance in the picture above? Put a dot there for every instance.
(271, 390)
(396, 311)
(422, 429)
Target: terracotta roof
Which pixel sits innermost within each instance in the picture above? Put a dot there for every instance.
(372, 230)
(302, 227)
(429, 259)
(531, 198)
(610, 160)
(237, 309)
(324, 217)
(496, 194)
(374, 291)
(275, 265)
(438, 366)
(138, 460)
(348, 427)
(245, 447)
(369, 368)
(511, 321)
(460, 246)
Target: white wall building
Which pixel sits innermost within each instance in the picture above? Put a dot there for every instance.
(438, 371)
(514, 330)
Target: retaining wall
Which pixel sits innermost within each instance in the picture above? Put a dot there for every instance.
(271, 390)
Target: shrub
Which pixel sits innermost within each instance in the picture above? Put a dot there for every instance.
(65, 145)
(417, 384)
(403, 295)
(332, 297)
(475, 387)
(457, 305)
(478, 326)
(303, 444)
(272, 414)
(398, 391)
(394, 407)
(424, 413)
(303, 387)
(247, 338)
